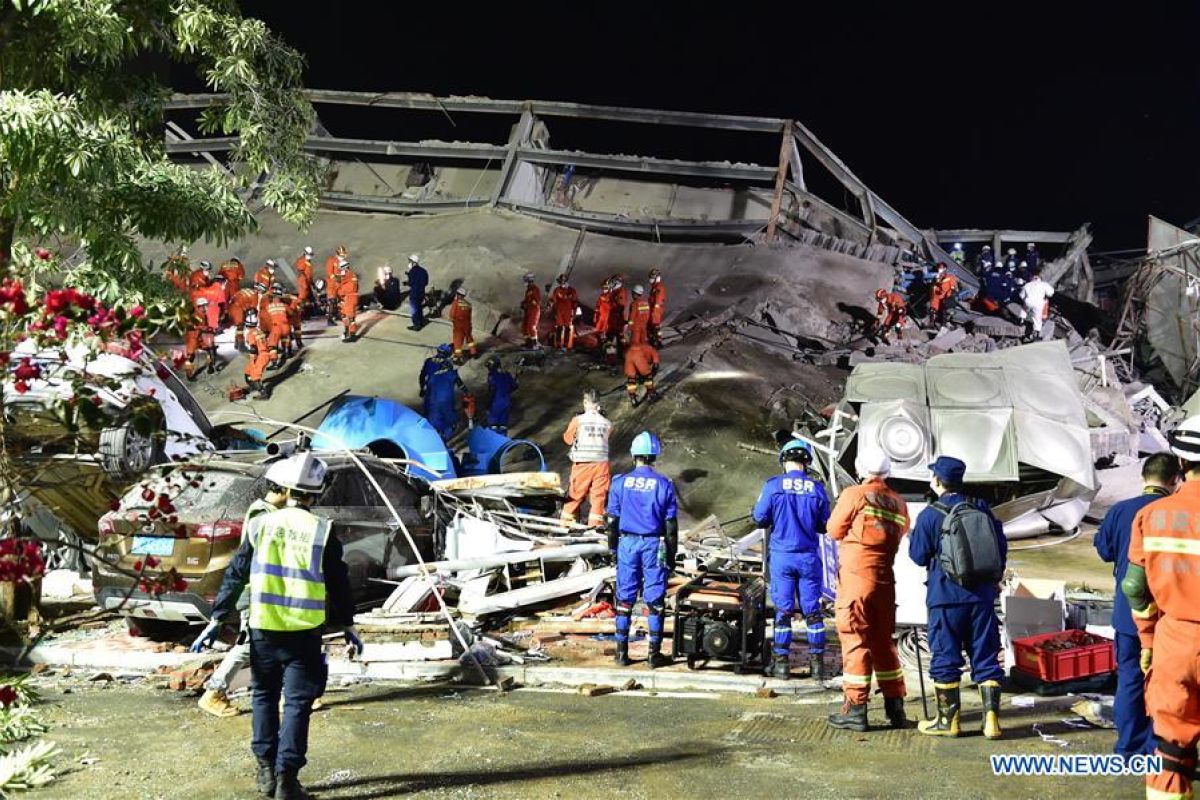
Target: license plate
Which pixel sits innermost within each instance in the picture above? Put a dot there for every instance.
(153, 545)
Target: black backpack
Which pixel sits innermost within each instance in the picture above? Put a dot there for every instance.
(969, 550)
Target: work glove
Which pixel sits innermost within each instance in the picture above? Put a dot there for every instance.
(207, 637)
(354, 645)
(1145, 658)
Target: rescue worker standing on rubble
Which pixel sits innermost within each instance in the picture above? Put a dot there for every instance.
(501, 385)
(1160, 473)
(304, 280)
(201, 335)
(945, 285)
(439, 380)
(957, 254)
(416, 278)
(340, 255)
(1033, 259)
(641, 366)
(587, 435)
(234, 274)
(260, 355)
(960, 617)
(794, 508)
(868, 522)
(1164, 596)
(299, 585)
(463, 338)
(347, 292)
(565, 301)
(891, 313)
(531, 311)
(266, 274)
(603, 311)
(658, 306)
(640, 312)
(643, 533)
(1035, 297)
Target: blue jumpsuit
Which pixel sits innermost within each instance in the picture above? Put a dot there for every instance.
(502, 385)
(958, 617)
(642, 501)
(1134, 730)
(1032, 259)
(998, 286)
(438, 382)
(418, 279)
(795, 507)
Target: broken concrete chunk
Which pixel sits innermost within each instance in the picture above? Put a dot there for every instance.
(594, 690)
(765, 692)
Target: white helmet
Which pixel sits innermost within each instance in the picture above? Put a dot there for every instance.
(530, 277)
(1024, 264)
(987, 248)
(271, 264)
(1029, 245)
(958, 245)
(877, 464)
(308, 251)
(1012, 251)
(1184, 441)
(461, 291)
(637, 290)
(386, 269)
(414, 259)
(301, 472)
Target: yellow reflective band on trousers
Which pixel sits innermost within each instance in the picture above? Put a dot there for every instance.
(1169, 544)
(884, 514)
(889, 675)
(287, 581)
(858, 680)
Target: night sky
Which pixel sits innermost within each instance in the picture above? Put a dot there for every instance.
(1044, 116)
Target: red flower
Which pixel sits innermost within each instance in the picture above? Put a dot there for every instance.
(12, 297)
(43, 253)
(60, 326)
(21, 386)
(27, 370)
(137, 312)
(147, 494)
(8, 696)
(151, 562)
(179, 585)
(137, 565)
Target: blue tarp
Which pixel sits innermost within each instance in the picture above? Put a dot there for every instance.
(486, 448)
(355, 421)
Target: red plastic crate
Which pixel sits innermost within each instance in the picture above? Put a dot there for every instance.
(1043, 655)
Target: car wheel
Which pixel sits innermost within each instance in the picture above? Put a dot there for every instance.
(157, 630)
(124, 452)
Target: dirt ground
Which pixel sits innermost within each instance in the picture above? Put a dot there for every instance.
(376, 741)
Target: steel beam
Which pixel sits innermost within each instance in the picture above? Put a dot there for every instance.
(519, 139)
(982, 235)
(330, 144)
(619, 224)
(397, 205)
(649, 165)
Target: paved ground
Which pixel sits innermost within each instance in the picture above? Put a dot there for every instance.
(379, 741)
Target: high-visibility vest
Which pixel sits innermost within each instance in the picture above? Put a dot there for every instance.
(287, 580)
(591, 438)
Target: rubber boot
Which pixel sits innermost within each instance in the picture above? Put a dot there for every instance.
(989, 693)
(287, 787)
(781, 669)
(633, 401)
(212, 362)
(894, 706)
(653, 396)
(657, 659)
(216, 702)
(949, 704)
(622, 657)
(852, 718)
(816, 667)
(264, 780)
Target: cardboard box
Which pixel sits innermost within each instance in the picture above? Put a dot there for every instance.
(1032, 606)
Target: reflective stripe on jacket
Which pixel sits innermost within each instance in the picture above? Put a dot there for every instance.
(287, 579)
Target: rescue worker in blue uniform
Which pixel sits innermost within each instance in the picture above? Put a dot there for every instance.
(986, 259)
(959, 618)
(644, 533)
(439, 380)
(299, 585)
(1160, 473)
(501, 385)
(795, 508)
(416, 278)
(1033, 258)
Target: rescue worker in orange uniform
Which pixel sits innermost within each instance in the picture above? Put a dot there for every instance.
(565, 301)
(266, 274)
(234, 274)
(304, 279)
(201, 335)
(279, 332)
(260, 355)
(945, 286)
(244, 300)
(347, 294)
(658, 306)
(331, 272)
(1163, 588)
(604, 307)
(587, 435)
(891, 313)
(868, 522)
(177, 268)
(295, 317)
(616, 319)
(531, 311)
(201, 276)
(641, 366)
(639, 317)
(460, 316)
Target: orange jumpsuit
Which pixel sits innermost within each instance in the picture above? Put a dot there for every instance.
(295, 317)
(616, 317)
(331, 281)
(639, 321)
(460, 315)
(891, 313)
(1165, 541)
(565, 300)
(531, 312)
(304, 278)
(944, 287)
(868, 522)
(347, 293)
(201, 334)
(280, 326)
(243, 301)
(234, 274)
(604, 305)
(641, 362)
(590, 479)
(658, 307)
(262, 356)
(265, 277)
(176, 270)
(197, 279)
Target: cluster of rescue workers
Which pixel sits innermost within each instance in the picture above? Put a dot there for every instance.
(1011, 288)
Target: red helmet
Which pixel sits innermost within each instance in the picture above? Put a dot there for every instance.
(880, 294)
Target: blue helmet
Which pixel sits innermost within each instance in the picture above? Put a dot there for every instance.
(444, 349)
(645, 444)
(795, 450)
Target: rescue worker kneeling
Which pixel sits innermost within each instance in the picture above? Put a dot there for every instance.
(795, 508)
(298, 585)
(868, 523)
(643, 532)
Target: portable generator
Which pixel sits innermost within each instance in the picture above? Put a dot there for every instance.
(722, 616)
